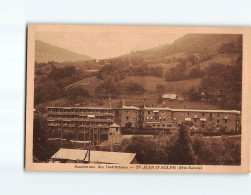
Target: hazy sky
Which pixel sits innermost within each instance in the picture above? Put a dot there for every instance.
(105, 44)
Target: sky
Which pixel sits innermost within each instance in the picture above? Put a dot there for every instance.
(102, 43)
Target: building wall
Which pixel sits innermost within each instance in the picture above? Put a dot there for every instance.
(71, 118)
(159, 118)
(129, 116)
(206, 121)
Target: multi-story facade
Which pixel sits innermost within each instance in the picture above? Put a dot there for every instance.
(158, 118)
(127, 115)
(70, 118)
(210, 120)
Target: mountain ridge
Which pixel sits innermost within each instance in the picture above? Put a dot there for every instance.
(45, 52)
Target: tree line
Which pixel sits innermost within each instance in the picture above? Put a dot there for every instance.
(221, 85)
(120, 72)
(181, 148)
(51, 83)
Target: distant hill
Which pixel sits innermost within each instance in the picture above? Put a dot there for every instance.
(201, 42)
(203, 46)
(194, 43)
(45, 52)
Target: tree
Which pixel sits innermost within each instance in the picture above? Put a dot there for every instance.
(128, 125)
(195, 73)
(147, 150)
(73, 93)
(202, 149)
(135, 88)
(181, 152)
(160, 100)
(160, 88)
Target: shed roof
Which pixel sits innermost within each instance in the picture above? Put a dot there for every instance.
(96, 156)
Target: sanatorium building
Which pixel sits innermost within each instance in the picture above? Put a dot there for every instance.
(164, 119)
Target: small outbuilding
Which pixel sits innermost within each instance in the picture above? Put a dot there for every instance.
(170, 97)
(65, 155)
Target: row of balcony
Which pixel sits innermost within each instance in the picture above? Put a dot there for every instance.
(81, 113)
(80, 119)
(80, 126)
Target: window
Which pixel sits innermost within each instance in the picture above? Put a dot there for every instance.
(127, 118)
(211, 115)
(195, 120)
(218, 121)
(203, 114)
(218, 114)
(226, 121)
(149, 112)
(203, 124)
(163, 112)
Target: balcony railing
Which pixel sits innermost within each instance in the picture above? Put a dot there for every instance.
(80, 113)
(81, 119)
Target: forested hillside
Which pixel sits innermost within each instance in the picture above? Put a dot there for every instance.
(203, 69)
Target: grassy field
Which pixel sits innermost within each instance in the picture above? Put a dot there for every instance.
(89, 84)
(150, 83)
(227, 59)
(150, 97)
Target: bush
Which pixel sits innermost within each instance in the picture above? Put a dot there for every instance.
(135, 88)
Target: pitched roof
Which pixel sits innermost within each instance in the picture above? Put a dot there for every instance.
(114, 125)
(96, 156)
(169, 96)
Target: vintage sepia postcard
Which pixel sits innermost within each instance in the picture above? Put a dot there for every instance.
(138, 99)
